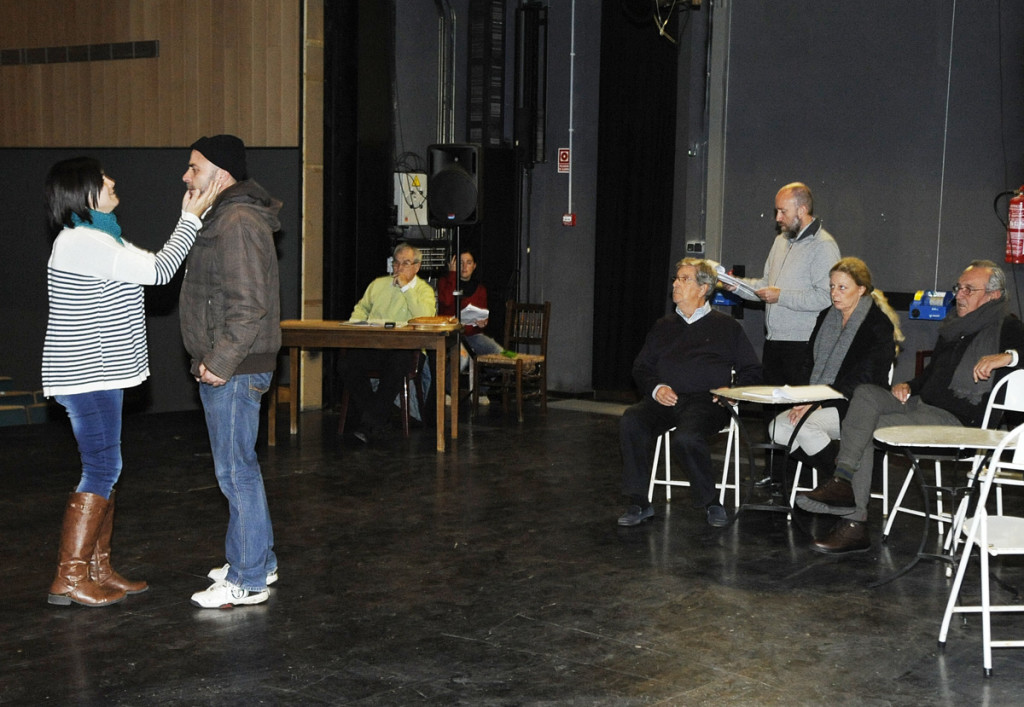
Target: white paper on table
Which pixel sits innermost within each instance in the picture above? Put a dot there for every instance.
(800, 393)
(471, 314)
(371, 322)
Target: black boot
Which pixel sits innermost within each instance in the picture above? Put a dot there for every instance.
(825, 460)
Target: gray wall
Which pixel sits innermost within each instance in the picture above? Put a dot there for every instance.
(851, 98)
(150, 188)
(561, 259)
(557, 260)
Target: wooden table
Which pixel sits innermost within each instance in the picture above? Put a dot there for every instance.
(297, 334)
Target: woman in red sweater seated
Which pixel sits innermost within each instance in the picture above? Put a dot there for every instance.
(473, 293)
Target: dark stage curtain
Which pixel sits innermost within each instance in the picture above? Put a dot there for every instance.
(636, 156)
(359, 49)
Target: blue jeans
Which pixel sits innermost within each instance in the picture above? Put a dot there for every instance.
(96, 422)
(482, 344)
(233, 421)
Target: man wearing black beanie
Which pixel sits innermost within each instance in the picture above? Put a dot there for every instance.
(225, 151)
(230, 324)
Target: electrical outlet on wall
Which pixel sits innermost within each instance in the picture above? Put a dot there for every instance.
(694, 248)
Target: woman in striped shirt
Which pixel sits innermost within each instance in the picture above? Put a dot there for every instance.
(95, 347)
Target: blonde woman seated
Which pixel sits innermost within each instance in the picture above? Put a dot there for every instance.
(854, 341)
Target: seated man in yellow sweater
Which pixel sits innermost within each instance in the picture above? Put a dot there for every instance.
(398, 297)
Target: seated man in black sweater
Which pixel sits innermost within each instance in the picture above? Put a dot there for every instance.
(980, 338)
(686, 354)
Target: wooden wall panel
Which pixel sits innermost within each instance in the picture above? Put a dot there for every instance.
(224, 66)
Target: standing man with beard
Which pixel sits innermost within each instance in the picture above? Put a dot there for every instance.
(795, 284)
(794, 288)
(231, 326)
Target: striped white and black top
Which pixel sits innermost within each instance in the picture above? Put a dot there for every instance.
(96, 331)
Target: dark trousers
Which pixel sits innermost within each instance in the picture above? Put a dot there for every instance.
(783, 361)
(696, 418)
(388, 366)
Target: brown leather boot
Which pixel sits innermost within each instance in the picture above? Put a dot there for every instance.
(835, 497)
(82, 519)
(845, 536)
(99, 566)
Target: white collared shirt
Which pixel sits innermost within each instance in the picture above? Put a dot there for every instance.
(697, 313)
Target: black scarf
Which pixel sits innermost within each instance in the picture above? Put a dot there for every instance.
(469, 286)
(985, 324)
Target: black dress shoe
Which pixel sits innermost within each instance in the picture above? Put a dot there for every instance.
(845, 537)
(717, 517)
(635, 515)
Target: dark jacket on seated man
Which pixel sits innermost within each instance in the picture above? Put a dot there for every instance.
(934, 385)
(685, 356)
(694, 358)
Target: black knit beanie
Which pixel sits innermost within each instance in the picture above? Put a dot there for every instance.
(225, 151)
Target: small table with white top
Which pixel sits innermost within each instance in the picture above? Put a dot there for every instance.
(918, 442)
(789, 396)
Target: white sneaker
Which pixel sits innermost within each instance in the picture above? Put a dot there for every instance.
(224, 595)
(447, 399)
(219, 574)
(484, 400)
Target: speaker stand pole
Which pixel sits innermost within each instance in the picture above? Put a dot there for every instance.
(458, 291)
(528, 172)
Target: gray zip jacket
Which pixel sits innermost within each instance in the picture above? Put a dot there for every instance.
(799, 268)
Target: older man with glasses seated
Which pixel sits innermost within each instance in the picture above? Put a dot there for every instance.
(397, 297)
(686, 354)
(981, 337)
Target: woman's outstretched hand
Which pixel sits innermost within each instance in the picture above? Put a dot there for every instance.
(196, 202)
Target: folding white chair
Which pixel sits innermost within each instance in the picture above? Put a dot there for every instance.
(732, 454)
(1006, 395)
(992, 535)
(940, 516)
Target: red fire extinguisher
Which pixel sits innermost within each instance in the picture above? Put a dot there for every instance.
(1015, 228)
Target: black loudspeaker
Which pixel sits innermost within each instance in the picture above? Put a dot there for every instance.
(453, 194)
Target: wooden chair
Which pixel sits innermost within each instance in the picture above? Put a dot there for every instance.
(523, 373)
(412, 383)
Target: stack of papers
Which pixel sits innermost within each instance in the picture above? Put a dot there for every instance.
(472, 314)
(742, 289)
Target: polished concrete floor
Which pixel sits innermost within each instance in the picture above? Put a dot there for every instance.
(494, 574)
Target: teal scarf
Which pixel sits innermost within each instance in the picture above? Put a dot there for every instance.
(102, 222)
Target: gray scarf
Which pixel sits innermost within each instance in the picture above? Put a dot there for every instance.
(985, 323)
(833, 341)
